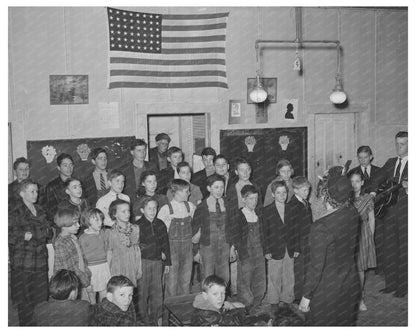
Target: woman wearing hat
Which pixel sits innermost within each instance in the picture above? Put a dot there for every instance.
(332, 287)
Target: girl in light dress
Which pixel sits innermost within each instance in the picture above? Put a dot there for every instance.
(93, 246)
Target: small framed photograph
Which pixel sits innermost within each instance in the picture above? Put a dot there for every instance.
(290, 110)
(269, 84)
(236, 111)
(68, 89)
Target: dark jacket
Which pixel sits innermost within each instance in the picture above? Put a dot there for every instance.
(163, 178)
(200, 179)
(386, 172)
(109, 314)
(153, 158)
(154, 240)
(331, 282)
(63, 313)
(130, 186)
(239, 232)
(231, 199)
(205, 314)
(90, 189)
(28, 255)
(300, 217)
(367, 182)
(54, 194)
(201, 220)
(278, 236)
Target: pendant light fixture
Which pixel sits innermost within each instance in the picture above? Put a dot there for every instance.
(338, 95)
(258, 94)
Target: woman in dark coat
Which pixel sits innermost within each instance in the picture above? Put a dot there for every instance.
(332, 287)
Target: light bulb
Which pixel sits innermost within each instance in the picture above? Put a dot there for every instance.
(258, 94)
(338, 96)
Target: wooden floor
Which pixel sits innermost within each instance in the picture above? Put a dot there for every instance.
(383, 310)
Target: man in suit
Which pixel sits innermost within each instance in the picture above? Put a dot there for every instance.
(134, 169)
(200, 178)
(158, 155)
(392, 225)
(366, 169)
(96, 183)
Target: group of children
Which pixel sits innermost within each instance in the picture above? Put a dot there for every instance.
(143, 247)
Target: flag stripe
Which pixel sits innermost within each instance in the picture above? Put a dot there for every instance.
(166, 51)
(193, 16)
(120, 60)
(193, 39)
(127, 72)
(194, 27)
(159, 79)
(167, 85)
(197, 50)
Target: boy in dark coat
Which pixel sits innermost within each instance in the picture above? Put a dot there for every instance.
(211, 309)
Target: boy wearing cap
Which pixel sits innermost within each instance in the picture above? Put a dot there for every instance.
(158, 155)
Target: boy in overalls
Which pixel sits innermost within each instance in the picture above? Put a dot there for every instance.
(210, 225)
(177, 215)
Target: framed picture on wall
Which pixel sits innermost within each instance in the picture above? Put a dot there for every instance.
(236, 112)
(68, 89)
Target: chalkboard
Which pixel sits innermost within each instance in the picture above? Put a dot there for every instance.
(271, 145)
(43, 170)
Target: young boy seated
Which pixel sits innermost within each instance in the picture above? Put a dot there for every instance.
(116, 181)
(117, 308)
(63, 308)
(211, 309)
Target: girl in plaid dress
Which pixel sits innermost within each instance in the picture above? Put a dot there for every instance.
(366, 252)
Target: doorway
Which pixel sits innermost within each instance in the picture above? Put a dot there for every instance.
(188, 131)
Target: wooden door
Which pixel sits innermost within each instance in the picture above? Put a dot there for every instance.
(335, 141)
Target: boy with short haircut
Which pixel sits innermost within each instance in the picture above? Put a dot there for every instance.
(96, 183)
(177, 216)
(222, 166)
(248, 239)
(174, 156)
(134, 169)
(55, 189)
(279, 248)
(68, 254)
(73, 188)
(117, 309)
(242, 174)
(300, 217)
(211, 309)
(200, 178)
(155, 252)
(210, 228)
(116, 181)
(63, 308)
(21, 169)
(185, 172)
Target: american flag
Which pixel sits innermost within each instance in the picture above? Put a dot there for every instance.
(148, 50)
